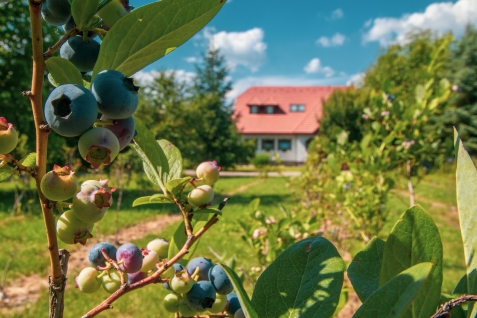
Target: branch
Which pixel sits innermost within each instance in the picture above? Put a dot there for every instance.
(155, 278)
(444, 310)
(52, 49)
(56, 275)
(7, 158)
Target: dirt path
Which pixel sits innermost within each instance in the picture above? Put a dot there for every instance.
(24, 291)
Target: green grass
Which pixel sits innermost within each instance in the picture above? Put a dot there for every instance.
(436, 194)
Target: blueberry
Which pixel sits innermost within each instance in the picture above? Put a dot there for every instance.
(201, 296)
(83, 55)
(204, 265)
(70, 110)
(136, 277)
(8, 136)
(233, 304)
(98, 146)
(239, 313)
(72, 24)
(56, 12)
(131, 257)
(95, 256)
(116, 94)
(124, 130)
(201, 195)
(220, 280)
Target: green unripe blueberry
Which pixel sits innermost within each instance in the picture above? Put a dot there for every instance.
(201, 195)
(111, 281)
(149, 261)
(219, 304)
(60, 184)
(71, 230)
(208, 171)
(92, 200)
(98, 146)
(171, 302)
(87, 281)
(160, 246)
(185, 310)
(181, 282)
(8, 137)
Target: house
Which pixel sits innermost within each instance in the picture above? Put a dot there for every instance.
(281, 119)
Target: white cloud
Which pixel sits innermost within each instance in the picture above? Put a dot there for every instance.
(191, 59)
(439, 16)
(336, 40)
(239, 48)
(144, 78)
(337, 14)
(356, 79)
(314, 66)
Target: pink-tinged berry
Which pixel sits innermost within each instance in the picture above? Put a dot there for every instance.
(123, 129)
(60, 184)
(71, 230)
(130, 258)
(208, 171)
(88, 281)
(181, 282)
(92, 200)
(201, 195)
(98, 146)
(8, 136)
(160, 246)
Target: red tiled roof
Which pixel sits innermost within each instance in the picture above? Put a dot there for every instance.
(283, 122)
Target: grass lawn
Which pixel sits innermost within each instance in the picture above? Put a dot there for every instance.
(25, 232)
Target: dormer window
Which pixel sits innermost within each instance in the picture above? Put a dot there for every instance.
(297, 108)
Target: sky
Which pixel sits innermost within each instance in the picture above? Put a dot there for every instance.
(309, 42)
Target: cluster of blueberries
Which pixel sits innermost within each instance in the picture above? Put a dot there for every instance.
(199, 287)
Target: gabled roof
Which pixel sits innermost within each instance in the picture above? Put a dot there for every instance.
(284, 121)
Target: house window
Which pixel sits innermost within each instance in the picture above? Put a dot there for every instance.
(270, 109)
(284, 144)
(295, 108)
(253, 109)
(268, 144)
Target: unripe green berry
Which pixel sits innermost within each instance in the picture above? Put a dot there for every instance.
(8, 137)
(71, 230)
(98, 146)
(171, 302)
(181, 282)
(149, 261)
(87, 281)
(201, 195)
(60, 184)
(208, 171)
(111, 281)
(160, 246)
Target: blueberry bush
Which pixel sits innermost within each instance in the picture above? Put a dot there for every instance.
(399, 277)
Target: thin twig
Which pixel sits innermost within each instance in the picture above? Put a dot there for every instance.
(444, 310)
(52, 49)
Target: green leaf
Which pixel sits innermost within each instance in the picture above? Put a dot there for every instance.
(253, 205)
(63, 71)
(466, 177)
(303, 281)
(154, 199)
(420, 93)
(103, 3)
(386, 85)
(29, 161)
(180, 237)
(363, 272)
(244, 300)
(461, 287)
(153, 157)
(147, 33)
(394, 298)
(174, 158)
(415, 239)
(4, 175)
(208, 210)
(83, 11)
(175, 185)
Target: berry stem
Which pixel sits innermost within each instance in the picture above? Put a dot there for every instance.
(52, 49)
(4, 159)
(57, 273)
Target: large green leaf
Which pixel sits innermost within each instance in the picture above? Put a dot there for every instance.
(83, 12)
(180, 237)
(394, 298)
(466, 177)
(153, 199)
(304, 281)
(175, 185)
(363, 272)
(244, 300)
(148, 33)
(415, 239)
(174, 159)
(153, 157)
(63, 71)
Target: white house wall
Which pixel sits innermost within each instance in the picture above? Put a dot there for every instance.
(297, 154)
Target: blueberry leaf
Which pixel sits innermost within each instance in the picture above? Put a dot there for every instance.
(175, 185)
(466, 176)
(149, 32)
(363, 272)
(415, 239)
(303, 281)
(153, 199)
(244, 300)
(394, 298)
(208, 210)
(174, 158)
(63, 71)
(83, 12)
(153, 157)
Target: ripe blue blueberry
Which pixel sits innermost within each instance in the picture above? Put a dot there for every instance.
(70, 110)
(201, 296)
(83, 55)
(204, 265)
(233, 304)
(96, 257)
(56, 12)
(220, 280)
(116, 94)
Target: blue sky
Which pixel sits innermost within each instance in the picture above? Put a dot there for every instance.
(309, 42)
